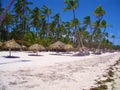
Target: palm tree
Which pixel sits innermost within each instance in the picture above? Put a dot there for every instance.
(7, 24)
(88, 23)
(61, 31)
(55, 26)
(76, 23)
(53, 31)
(99, 13)
(46, 13)
(72, 5)
(43, 27)
(21, 10)
(113, 37)
(85, 35)
(29, 38)
(106, 35)
(103, 24)
(6, 10)
(36, 19)
(69, 26)
(56, 19)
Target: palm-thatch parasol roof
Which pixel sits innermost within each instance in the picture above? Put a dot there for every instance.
(11, 44)
(68, 47)
(36, 47)
(57, 46)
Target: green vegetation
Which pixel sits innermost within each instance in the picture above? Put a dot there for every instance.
(28, 26)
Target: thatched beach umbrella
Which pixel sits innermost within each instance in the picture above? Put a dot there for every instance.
(68, 47)
(57, 46)
(11, 44)
(36, 48)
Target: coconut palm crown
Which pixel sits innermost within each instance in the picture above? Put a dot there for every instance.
(99, 12)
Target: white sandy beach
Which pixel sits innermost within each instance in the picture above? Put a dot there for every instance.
(52, 72)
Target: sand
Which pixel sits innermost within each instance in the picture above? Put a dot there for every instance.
(53, 72)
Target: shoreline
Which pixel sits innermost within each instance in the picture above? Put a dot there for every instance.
(49, 72)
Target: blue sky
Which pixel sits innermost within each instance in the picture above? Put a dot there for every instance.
(86, 7)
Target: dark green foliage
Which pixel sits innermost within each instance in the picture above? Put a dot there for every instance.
(30, 38)
(33, 26)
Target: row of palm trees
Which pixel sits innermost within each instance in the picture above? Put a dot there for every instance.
(28, 26)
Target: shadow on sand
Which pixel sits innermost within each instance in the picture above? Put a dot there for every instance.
(15, 62)
(11, 56)
(56, 54)
(34, 55)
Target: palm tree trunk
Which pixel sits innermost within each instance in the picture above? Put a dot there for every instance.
(48, 26)
(99, 44)
(91, 36)
(2, 16)
(36, 32)
(73, 14)
(113, 41)
(77, 35)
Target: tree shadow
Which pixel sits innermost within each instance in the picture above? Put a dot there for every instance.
(11, 56)
(34, 55)
(15, 62)
(55, 54)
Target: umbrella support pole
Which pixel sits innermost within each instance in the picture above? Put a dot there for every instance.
(9, 51)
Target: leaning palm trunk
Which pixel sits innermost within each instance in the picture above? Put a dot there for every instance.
(77, 35)
(5, 11)
(79, 40)
(48, 26)
(91, 37)
(99, 44)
